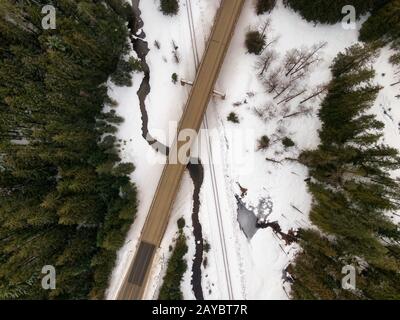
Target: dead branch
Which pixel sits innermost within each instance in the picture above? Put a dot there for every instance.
(319, 90)
(296, 113)
(297, 209)
(273, 161)
(265, 61)
(291, 97)
(297, 60)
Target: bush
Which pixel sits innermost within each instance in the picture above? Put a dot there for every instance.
(135, 64)
(288, 143)
(121, 77)
(181, 223)
(205, 262)
(395, 59)
(169, 7)
(232, 117)
(123, 169)
(171, 288)
(255, 42)
(206, 247)
(174, 78)
(123, 74)
(263, 143)
(265, 6)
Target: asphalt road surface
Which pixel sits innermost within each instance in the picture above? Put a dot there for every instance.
(136, 279)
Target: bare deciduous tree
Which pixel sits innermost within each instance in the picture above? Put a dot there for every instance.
(264, 31)
(267, 111)
(303, 110)
(273, 80)
(288, 84)
(265, 61)
(316, 92)
(299, 59)
(264, 27)
(294, 93)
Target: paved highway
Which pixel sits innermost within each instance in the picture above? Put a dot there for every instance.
(136, 279)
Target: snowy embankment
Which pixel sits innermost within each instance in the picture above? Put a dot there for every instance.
(256, 265)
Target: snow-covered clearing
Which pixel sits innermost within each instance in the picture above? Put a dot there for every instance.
(256, 265)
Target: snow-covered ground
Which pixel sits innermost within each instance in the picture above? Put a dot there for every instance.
(256, 265)
(265, 256)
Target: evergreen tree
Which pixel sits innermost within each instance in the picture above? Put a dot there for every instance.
(171, 288)
(255, 42)
(330, 11)
(384, 24)
(169, 7)
(265, 6)
(352, 190)
(59, 205)
(383, 27)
